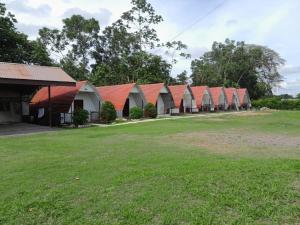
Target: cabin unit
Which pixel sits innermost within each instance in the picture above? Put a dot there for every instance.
(232, 98)
(203, 98)
(244, 98)
(219, 98)
(183, 99)
(159, 95)
(65, 101)
(123, 97)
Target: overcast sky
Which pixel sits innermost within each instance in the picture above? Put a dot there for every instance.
(273, 23)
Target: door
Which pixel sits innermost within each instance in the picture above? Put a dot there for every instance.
(126, 108)
(181, 108)
(78, 104)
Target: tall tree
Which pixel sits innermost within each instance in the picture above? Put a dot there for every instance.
(74, 45)
(239, 65)
(182, 78)
(15, 46)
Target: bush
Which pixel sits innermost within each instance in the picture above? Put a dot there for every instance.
(136, 113)
(80, 117)
(277, 103)
(108, 112)
(150, 111)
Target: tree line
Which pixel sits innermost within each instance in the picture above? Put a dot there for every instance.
(127, 51)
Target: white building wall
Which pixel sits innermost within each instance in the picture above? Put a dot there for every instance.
(187, 100)
(160, 105)
(136, 99)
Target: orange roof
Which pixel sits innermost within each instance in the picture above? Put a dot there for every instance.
(198, 93)
(216, 92)
(40, 75)
(229, 92)
(241, 93)
(177, 92)
(61, 97)
(151, 91)
(116, 94)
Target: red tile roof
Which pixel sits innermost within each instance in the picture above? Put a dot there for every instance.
(44, 75)
(229, 92)
(177, 92)
(151, 91)
(116, 94)
(198, 93)
(241, 93)
(216, 92)
(61, 97)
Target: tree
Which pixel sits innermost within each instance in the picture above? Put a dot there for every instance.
(15, 46)
(74, 45)
(298, 96)
(237, 64)
(182, 78)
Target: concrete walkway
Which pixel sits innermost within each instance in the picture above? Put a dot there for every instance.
(18, 129)
(205, 115)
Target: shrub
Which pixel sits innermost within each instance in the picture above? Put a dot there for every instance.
(108, 112)
(277, 103)
(136, 113)
(80, 117)
(150, 111)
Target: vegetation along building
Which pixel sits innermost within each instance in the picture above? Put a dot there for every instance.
(123, 97)
(65, 100)
(203, 98)
(18, 82)
(219, 98)
(159, 95)
(183, 99)
(244, 98)
(232, 98)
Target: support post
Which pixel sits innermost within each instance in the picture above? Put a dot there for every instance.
(49, 106)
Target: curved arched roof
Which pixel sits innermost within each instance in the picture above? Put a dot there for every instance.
(177, 92)
(242, 92)
(61, 96)
(116, 94)
(230, 93)
(216, 92)
(198, 92)
(152, 91)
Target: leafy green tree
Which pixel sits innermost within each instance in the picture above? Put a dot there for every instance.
(15, 46)
(239, 65)
(74, 45)
(182, 78)
(108, 112)
(298, 96)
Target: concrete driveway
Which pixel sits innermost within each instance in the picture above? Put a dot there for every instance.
(23, 129)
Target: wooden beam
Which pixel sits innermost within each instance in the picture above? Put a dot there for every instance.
(49, 106)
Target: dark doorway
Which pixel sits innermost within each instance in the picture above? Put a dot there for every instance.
(78, 104)
(181, 109)
(126, 108)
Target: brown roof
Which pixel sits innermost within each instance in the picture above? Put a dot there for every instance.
(12, 73)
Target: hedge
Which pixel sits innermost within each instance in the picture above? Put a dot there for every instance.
(108, 112)
(277, 103)
(136, 113)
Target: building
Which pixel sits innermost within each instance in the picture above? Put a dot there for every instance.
(159, 95)
(244, 98)
(232, 98)
(203, 98)
(18, 82)
(65, 100)
(123, 97)
(219, 98)
(183, 99)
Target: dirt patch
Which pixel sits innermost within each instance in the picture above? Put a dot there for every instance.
(262, 113)
(241, 142)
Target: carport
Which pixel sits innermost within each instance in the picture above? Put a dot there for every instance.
(19, 81)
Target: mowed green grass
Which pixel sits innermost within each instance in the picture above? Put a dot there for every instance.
(155, 173)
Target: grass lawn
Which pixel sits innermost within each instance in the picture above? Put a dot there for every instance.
(239, 169)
